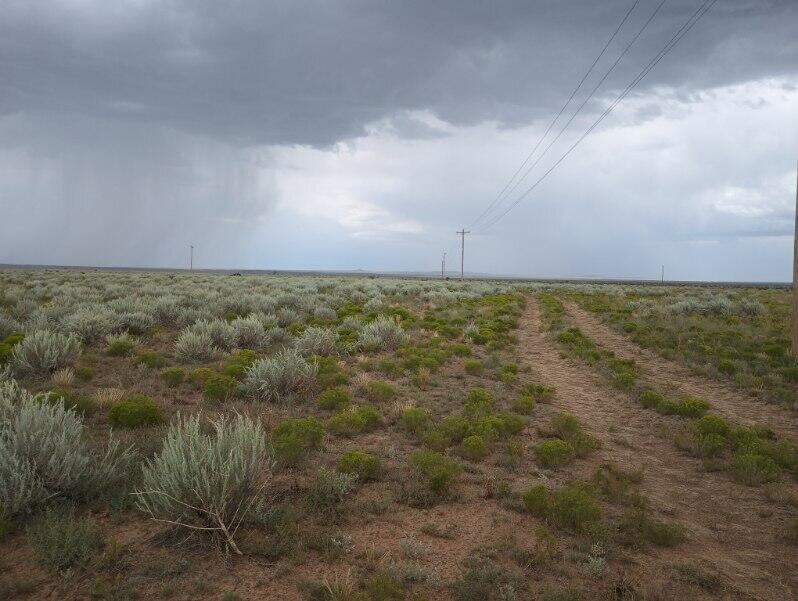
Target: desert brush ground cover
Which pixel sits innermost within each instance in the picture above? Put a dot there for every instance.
(209, 436)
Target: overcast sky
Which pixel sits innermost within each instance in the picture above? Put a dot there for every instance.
(346, 134)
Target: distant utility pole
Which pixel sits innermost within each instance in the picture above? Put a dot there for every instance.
(191, 258)
(443, 266)
(462, 233)
(795, 279)
(663, 274)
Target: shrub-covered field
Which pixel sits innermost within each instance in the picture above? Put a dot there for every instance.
(213, 436)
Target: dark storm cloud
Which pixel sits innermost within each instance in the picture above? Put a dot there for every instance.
(353, 133)
(254, 72)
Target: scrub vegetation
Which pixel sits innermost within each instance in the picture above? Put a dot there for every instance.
(198, 435)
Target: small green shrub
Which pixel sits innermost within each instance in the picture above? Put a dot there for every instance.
(82, 405)
(539, 392)
(84, 374)
(565, 425)
(711, 445)
(294, 437)
(555, 453)
(237, 364)
(6, 353)
(623, 372)
(334, 399)
(355, 421)
(152, 360)
(120, 345)
(689, 407)
(384, 587)
(390, 367)
(472, 367)
(199, 375)
(479, 402)
(537, 500)
(455, 427)
(638, 530)
(363, 465)
(712, 424)
(651, 399)
(783, 452)
(436, 439)
(134, 412)
(753, 470)
(414, 420)
(379, 392)
(329, 372)
(507, 373)
(437, 472)
(575, 508)
(219, 387)
(524, 404)
(474, 448)
(572, 507)
(457, 349)
(568, 428)
(14, 338)
(173, 376)
(61, 540)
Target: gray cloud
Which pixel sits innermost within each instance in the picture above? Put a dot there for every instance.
(252, 72)
(360, 134)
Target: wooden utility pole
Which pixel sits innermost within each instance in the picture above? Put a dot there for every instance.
(462, 233)
(443, 266)
(191, 258)
(663, 274)
(795, 279)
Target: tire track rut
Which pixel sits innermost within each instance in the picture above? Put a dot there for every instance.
(666, 375)
(723, 520)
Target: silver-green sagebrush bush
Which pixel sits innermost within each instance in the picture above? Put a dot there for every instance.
(317, 341)
(282, 377)
(221, 333)
(8, 325)
(42, 352)
(248, 332)
(203, 481)
(382, 334)
(91, 323)
(191, 346)
(44, 453)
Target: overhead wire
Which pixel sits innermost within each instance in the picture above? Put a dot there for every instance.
(675, 39)
(557, 116)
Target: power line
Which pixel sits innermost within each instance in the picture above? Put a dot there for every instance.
(557, 116)
(680, 33)
(589, 96)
